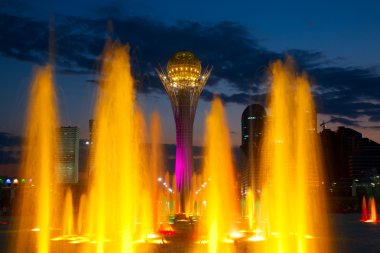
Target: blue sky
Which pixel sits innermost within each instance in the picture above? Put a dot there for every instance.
(337, 42)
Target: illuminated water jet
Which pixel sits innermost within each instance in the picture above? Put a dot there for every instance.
(220, 192)
(38, 162)
(115, 179)
(364, 210)
(372, 217)
(129, 197)
(290, 167)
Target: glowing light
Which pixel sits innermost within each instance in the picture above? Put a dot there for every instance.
(152, 236)
(236, 235)
(275, 234)
(160, 241)
(256, 238)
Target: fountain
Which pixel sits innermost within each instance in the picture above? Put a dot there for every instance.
(116, 178)
(373, 212)
(159, 198)
(220, 190)
(290, 167)
(372, 215)
(35, 204)
(129, 198)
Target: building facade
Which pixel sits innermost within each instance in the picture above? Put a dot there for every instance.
(348, 158)
(252, 127)
(68, 157)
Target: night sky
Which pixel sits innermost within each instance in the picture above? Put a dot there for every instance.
(336, 42)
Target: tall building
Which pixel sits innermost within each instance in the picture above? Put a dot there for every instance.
(68, 155)
(364, 163)
(183, 81)
(348, 157)
(252, 122)
(252, 127)
(91, 131)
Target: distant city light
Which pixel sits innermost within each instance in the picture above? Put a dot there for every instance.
(8, 181)
(159, 179)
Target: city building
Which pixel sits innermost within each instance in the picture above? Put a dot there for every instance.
(349, 159)
(364, 163)
(183, 81)
(68, 157)
(91, 131)
(252, 127)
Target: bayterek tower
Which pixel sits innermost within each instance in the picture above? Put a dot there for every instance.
(183, 81)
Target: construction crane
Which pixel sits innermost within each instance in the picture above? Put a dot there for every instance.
(323, 124)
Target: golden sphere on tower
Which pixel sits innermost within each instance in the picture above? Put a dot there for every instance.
(184, 67)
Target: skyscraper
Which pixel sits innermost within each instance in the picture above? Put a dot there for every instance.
(91, 131)
(68, 155)
(183, 81)
(252, 123)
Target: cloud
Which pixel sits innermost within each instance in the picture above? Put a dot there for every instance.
(9, 148)
(375, 118)
(237, 56)
(340, 90)
(345, 121)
